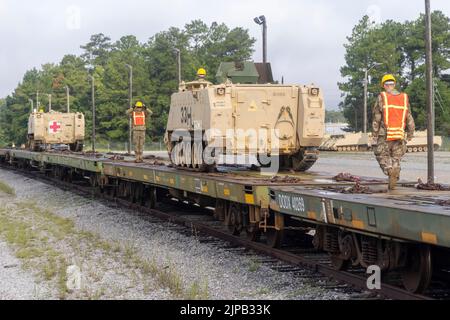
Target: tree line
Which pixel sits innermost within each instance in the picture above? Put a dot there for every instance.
(154, 64)
(397, 48)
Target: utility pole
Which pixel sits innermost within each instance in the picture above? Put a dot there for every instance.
(429, 88)
(178, 52)
(261, 20)
(32, 106)
(68, 98)
(37, 100)
(131, 106)
(49, 102)
(93, 112)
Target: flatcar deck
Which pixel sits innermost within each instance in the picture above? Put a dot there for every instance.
(406, 213)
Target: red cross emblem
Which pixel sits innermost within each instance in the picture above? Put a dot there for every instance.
(54, 127)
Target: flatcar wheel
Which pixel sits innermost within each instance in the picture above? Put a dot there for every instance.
(274, 238)
(235, 219)
(338, 263)
(253, 232)
(418, 271)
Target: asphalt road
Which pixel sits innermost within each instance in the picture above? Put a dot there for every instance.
(414, 165)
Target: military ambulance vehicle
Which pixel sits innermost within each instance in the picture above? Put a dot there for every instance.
(47, 129)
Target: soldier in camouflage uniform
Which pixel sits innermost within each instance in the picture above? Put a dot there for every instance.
(139, 115)
(391, 118)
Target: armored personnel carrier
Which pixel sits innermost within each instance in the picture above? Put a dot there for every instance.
(244, 115)
(46, 129)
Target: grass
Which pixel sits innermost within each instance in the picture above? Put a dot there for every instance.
(44, 242)
(7, 189)
(254, 266)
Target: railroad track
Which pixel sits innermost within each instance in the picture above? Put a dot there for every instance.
(203, 225)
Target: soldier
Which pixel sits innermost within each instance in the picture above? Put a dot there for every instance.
(391, 116)
(139, 115)
(201, 74)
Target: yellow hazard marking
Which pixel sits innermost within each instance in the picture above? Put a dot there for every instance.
(158, 178)
(312, 215)
(205, 189)
(358, 224)
(429, 237)
(145, 177)
(130, 173)
(172, 181)
(250, 199)
(226, 192)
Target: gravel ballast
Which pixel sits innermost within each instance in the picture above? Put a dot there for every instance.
(151, 261)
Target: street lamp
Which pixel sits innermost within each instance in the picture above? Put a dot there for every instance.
(366, 81)
(68, 98)
(130, 97)
(49, 102)
(93, 112)
(261, 20)
(178, 53)
(430, 92)
(32, 104)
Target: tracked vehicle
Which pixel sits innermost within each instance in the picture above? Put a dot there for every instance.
(244, 115)
(47, 129)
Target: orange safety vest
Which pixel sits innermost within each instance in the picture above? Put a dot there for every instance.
(395, 112)
(139, 118)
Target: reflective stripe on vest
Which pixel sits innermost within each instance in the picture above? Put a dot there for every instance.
(395, 112)
(139, 118)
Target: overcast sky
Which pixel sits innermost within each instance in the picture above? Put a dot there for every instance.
(305, 37)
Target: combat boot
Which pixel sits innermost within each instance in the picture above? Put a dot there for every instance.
(138, 159)
(394, 174)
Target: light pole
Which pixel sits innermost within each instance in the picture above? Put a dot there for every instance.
(178, 53)
(32, 104)
(366, 82)
(93, 112)
(37, 100)
(49, 102)
(131, 106)
(68, 98)
(430, 92)
(261, 20)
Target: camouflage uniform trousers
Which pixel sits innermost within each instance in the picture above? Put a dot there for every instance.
(390, 153)
(139, 141)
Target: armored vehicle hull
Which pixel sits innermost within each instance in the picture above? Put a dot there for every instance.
(47, 129)
(282, 121)
(353, 142)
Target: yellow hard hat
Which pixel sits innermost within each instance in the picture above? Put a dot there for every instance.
(201, 72)
(139, 104)
(388, 77)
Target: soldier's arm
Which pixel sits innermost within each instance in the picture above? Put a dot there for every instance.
(410, 124)
(129, 112)
(148, 112)
(377, 116)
